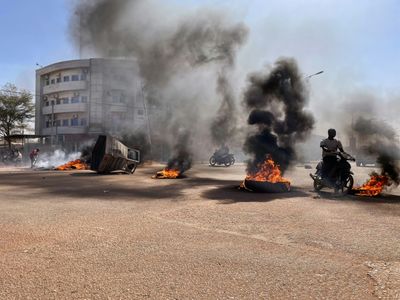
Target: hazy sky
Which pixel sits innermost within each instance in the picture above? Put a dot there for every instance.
(356, 43)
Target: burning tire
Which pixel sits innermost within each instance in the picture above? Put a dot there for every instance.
(267, 187)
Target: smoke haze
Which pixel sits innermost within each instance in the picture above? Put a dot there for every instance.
(380, 141)
(173, 51)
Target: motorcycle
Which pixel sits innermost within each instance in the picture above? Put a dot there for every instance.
(227, 160)
(342, 179)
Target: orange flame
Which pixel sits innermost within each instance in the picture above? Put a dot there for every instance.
(374, 186)
(268, 171)
(73, 165)
(167, 174)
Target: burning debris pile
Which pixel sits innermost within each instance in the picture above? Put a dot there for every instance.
(181, 160)
(276, 103)
(167, 174)
(77, 164)
(380, 141)
(268, 177)
(267, 171)
(374, 186)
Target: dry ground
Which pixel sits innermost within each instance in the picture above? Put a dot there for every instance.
(77, 235)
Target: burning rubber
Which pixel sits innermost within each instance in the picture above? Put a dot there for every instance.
(266, 179)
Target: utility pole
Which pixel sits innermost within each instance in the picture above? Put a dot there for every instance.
(148, 119)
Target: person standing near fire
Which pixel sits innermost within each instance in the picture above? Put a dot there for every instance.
(330, 146)
(34, 156)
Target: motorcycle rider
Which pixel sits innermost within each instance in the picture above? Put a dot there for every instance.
(330, 146)
(222, 151)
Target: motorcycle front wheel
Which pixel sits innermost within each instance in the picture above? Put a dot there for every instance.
(212, 161)
(227, 163)
(232, 161)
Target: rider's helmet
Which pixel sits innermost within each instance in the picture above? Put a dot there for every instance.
(332, 133)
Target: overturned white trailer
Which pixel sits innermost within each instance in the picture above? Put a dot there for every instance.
(110, 155)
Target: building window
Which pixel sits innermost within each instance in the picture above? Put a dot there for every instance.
(47, 82)
(52, 102)
(58, 101)
(53, 81)
(65, 123)
(140, 112)
(47, 103)
(65, 100)
(66, 78)
(58, 79)
(75, 122)
(57, 123)
(84, 99)
(115, 98)
(83, 122)
(83, 76)
(75, 99)
(75, 77)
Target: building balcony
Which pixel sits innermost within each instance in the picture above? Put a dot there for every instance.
(64, 108)
(65, 86)
(65, 130)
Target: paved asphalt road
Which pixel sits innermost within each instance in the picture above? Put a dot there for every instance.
(77, 235)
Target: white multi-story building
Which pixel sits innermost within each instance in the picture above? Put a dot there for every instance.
(79, 99)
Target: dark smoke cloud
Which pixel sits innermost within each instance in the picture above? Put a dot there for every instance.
(161, 53)
(276, 101)
(182, 155)
(379, 140)
(167, 50)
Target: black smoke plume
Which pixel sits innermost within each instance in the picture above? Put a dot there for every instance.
(379, 140)
(167, 48)
(181, 158)
(276, 101)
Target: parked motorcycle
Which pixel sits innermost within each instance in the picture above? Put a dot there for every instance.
(227, 160)
(342, 179)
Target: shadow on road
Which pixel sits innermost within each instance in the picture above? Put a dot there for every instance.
(231, 193)
(384, 198)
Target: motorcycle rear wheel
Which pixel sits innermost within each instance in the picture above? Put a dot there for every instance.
(213, 161)
(318, 185)
(232, 161)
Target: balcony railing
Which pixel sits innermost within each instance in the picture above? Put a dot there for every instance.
(64, 108)
(65, 130)
(65, 86)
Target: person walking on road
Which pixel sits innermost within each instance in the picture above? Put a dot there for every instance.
(34, 156)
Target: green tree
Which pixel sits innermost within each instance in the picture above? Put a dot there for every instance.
(16, 109)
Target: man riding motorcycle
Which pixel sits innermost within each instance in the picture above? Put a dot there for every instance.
(330, 147)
